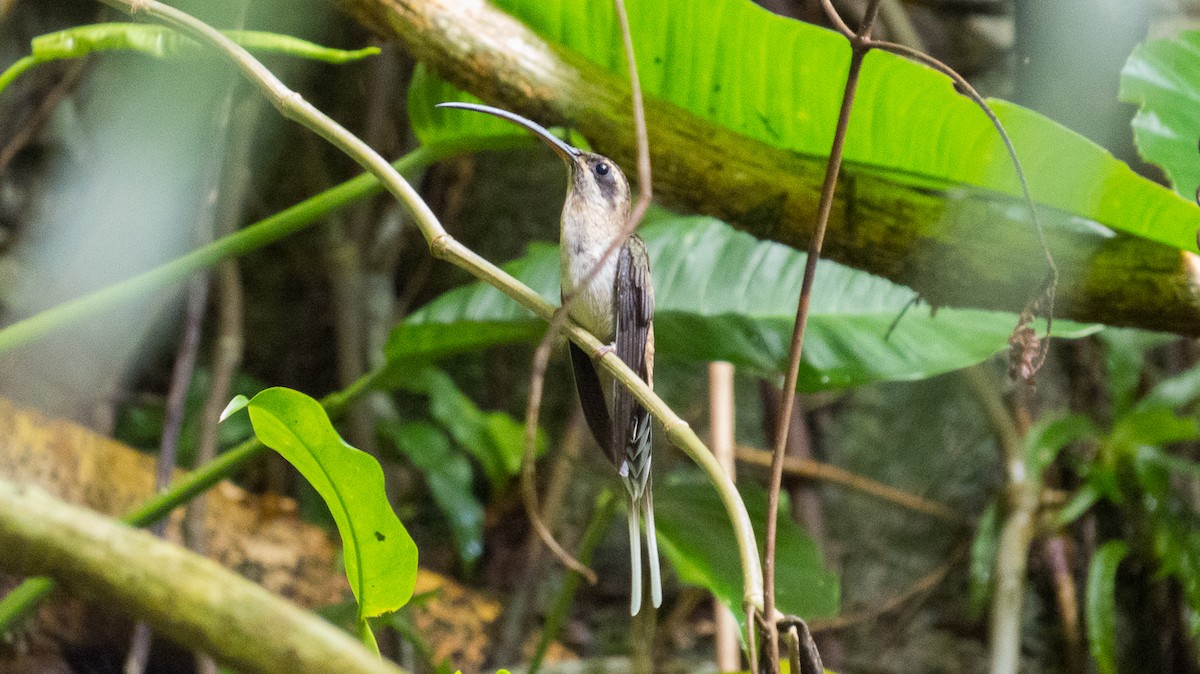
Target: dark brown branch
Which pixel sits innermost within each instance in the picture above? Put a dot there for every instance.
(860, 47)
(816, 470)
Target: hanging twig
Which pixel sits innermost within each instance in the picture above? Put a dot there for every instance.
(532, 577)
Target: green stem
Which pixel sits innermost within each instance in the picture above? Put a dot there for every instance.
(19, 603)
(367, 637)
(601, 516)
(16, 69)
(22, 601)
(243, 241)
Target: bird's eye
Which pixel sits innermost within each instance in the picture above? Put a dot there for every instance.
(601, 169)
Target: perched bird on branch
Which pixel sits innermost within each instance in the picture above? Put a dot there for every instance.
(611, 296)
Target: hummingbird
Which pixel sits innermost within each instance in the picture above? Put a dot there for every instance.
(617, 306)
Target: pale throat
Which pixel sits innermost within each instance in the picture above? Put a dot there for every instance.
(581, 247)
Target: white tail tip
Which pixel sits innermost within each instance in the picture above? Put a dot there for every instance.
(635, 561)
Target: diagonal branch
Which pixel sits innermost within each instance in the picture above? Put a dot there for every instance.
(180, 594)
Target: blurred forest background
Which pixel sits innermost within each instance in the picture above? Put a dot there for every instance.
(116, 163)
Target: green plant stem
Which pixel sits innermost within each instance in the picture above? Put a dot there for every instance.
(19, 603)
(367, 637)
(23, 600)
(188, 598)
(605, 508)
(1021, 498)
(444, 247)
(16, 70)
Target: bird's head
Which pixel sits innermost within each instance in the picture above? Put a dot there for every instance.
(597, 191)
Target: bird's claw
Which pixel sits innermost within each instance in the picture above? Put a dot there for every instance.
(604, 351)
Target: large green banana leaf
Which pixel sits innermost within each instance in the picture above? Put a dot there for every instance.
(779, 81)
(721, 294)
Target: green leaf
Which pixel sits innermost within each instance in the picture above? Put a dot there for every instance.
(494, 439)
(983, 558)
(1049, 435)
(450, 480)
(1124, 355)
(1161, 78)
(235, 405)
(434, 126)
(908, 122)
(1151, 426)
(1083, 500)
(1174, 392)
(1175, 464)
(694, 533)
(721, 294)
(161, 41)
(380, 556)
(1100, 606)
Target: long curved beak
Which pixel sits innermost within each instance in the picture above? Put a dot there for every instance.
(560, 148)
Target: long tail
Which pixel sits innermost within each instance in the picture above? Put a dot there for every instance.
(642, 507)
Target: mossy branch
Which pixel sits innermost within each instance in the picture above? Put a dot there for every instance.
(191, 599)
(990, 259)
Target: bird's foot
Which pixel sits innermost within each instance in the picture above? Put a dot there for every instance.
(604, 351)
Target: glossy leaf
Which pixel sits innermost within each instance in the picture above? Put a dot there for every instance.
(1163, 78)
(236, 404)
(434, 126)
(908, 121)
(694, 533)
(1100, 607)
(380, 556)
(449, 478)
(721, 294)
